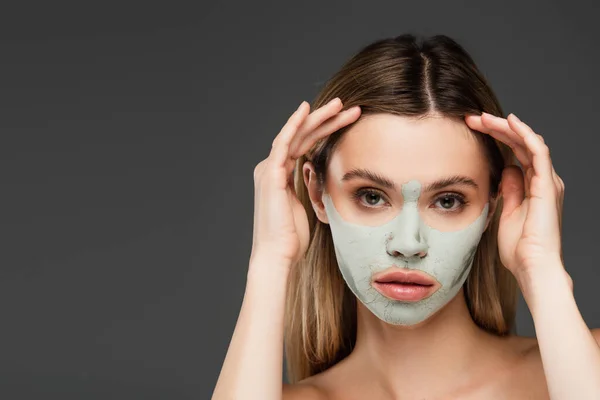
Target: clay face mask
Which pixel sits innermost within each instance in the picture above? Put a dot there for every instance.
(363, 251)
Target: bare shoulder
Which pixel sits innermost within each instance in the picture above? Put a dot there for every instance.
(524, 345)
(527, 379)
(303, 390)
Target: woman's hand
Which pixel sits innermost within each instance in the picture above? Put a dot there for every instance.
(529, 234)
(280, 223)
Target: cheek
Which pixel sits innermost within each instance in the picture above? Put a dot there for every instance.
(457, 219)
(453, 269)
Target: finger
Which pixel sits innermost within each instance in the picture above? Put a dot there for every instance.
(284, 129)
(540, 137)
(476, 122)
(281, 143)
(500, 125)
(540, 152)
(334, 124)
(289, 169)
(487, 125)
(313, 121)
(512, 188)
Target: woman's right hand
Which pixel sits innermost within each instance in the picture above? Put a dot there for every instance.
(281, 229)
(252, 366)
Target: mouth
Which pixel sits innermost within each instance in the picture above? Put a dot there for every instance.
(405, 284)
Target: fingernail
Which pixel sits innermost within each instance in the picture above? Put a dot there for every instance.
(517, 118)
(336, 100)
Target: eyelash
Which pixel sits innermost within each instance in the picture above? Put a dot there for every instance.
(462, 202)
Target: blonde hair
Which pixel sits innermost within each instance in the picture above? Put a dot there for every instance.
(403, 77)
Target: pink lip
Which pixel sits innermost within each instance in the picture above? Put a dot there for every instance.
(404, 291)
(405, 284)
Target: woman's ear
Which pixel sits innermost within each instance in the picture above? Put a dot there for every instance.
(314, 191)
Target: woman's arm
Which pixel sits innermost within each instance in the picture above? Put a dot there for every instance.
(529, 243)
(569, 351)
(253, 365)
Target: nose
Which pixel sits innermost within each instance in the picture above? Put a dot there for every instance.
(406, 240)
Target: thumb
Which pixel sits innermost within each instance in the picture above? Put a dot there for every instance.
(512, 188)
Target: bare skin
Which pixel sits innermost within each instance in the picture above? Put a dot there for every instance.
(509, 368)
(446, 356)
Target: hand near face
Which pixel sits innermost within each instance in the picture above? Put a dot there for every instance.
(529, 234)
(280, 222)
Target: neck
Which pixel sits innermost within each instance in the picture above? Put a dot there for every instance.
(437, 354)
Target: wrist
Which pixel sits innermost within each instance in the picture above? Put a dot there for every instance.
(543, 281)
(266, 268)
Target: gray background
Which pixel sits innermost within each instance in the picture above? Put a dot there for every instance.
(129, 136)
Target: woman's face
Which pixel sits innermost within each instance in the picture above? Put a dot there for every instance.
(400, 150)
(411, 194)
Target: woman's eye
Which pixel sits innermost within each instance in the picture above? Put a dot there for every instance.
(368, 198)
(451, 202)
(372, 198)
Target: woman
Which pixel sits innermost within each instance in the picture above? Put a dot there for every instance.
(407, 197)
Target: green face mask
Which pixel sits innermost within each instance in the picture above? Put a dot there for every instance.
(363, 251)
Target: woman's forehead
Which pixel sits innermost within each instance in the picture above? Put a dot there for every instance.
(406, 148)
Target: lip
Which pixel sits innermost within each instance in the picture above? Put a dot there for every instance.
(394, 283)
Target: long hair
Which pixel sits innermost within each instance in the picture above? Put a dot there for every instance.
(404, 77)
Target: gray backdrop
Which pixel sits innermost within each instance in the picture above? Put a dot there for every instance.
(129, 136)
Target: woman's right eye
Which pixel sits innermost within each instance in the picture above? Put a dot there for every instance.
(368, 198)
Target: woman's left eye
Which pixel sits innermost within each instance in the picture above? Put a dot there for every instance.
(447, 201)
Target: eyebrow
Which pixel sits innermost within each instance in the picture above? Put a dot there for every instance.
(381, 180)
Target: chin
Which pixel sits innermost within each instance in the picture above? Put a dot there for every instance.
(403, 318)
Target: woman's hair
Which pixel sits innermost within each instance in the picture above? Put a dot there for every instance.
(403, 77)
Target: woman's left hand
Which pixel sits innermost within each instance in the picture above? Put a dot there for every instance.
(529, 234)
